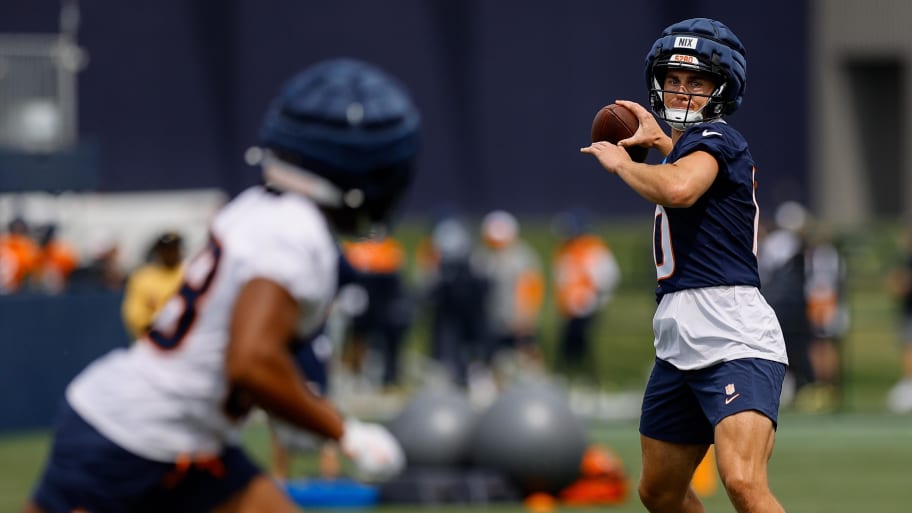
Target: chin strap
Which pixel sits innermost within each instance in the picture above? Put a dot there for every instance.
(678, 118)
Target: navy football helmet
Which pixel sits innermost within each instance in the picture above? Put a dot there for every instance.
(699, 44)
(345, 134)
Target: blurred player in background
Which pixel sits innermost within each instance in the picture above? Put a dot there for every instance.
(783, 275)
(380, 328)
(454, 291)
(56, 261)
(720, 354)
(100, 267)
(585, 276)
(516, 289)
(151, 284)
(828, 313)
(155, 427)
(19, 254)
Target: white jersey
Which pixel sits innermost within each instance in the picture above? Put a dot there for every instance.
(165, 396)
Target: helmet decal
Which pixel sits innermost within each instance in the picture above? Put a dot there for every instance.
(685, 42)
(685, 60)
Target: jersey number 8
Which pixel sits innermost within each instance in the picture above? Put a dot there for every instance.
(176, 318)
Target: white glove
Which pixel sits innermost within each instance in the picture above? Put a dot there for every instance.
(374, 450)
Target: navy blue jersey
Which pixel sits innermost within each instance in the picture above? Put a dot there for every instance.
(714, 241)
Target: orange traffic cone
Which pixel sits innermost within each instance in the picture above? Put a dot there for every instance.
(704, 481)
(540, 502)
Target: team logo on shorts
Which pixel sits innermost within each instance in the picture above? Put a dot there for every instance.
(730, 394)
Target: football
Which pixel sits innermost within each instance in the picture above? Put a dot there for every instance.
(615, 122)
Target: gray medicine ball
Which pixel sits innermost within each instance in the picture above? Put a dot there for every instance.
(435, 428)
(530, 434)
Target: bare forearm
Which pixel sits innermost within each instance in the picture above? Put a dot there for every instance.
(259, 361)
(275, 385)
(660, 184)
(664, 145)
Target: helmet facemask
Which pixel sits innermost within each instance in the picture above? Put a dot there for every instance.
(683, 118)
(352, 206)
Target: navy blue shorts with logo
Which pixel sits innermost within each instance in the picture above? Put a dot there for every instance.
(87, 472)
(683, 406)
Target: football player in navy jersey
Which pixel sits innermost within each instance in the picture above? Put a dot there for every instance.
(156, 427)
(720, 354)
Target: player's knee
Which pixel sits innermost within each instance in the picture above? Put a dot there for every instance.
(656, 497)
(742, 488)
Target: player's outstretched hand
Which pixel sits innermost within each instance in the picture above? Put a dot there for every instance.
(649, 134)
(374, 450)
(610, 156)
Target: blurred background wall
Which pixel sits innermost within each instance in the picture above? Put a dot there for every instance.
(859, 106)
(171, 92)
